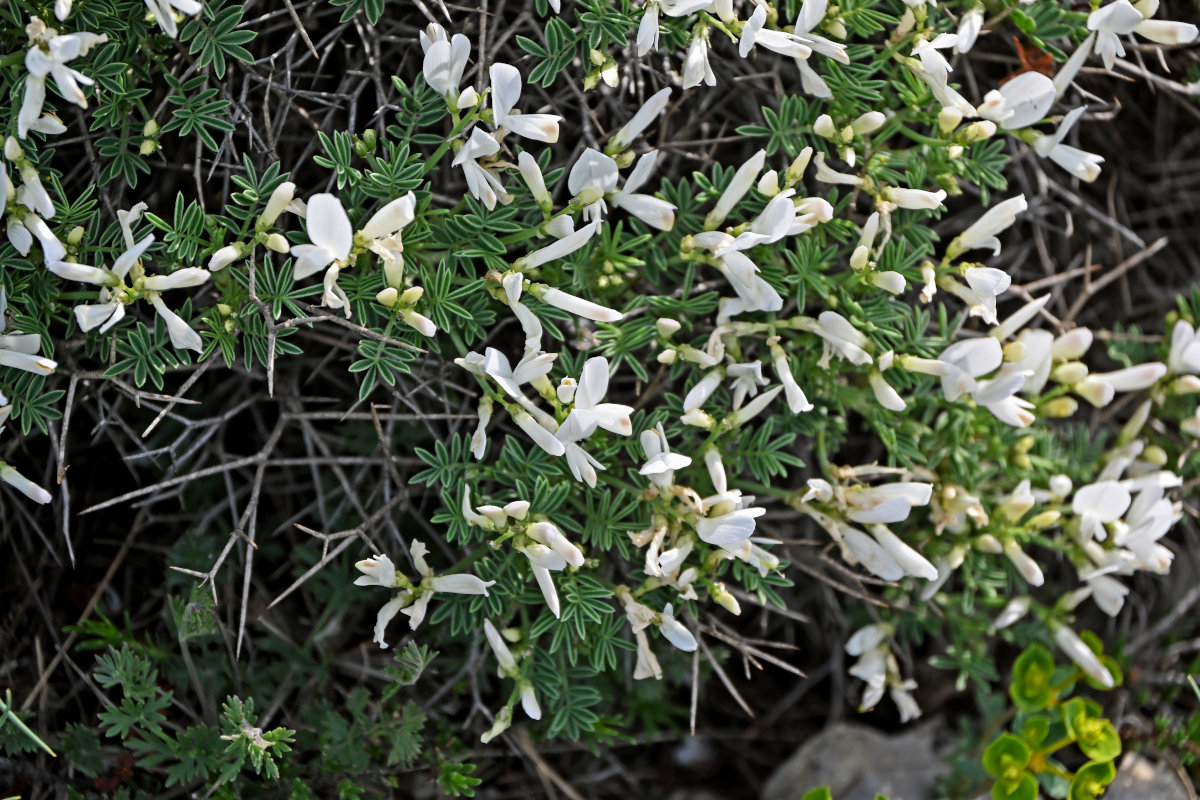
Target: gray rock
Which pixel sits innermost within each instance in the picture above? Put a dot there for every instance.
(857, 762)
(1139, 778)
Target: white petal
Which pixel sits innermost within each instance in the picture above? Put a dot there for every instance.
(328, 226)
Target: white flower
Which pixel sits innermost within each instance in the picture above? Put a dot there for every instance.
(377, 570)
(741, 182)
(588, 412)
(984, 285)
(649, 110)
(796, 399)
(675, 632)
(842, 337)
(915, 198)
(593, 176)
(20, 351)
(647, 35)
(1025, 565)
(1075, 648)
(445, 60)
(1081, 164)
(969, 26)
(730, 529)
(413, 601)
(647, 663)
(787, 44)
(330, 233)
(933, 62)
(696, 69)
(382, 234)
(532, 366)
(1184, 356)
(1097, 505)
(1016, 608)
(225, 256)
(982, 232)
(481, 183)
(969, 358)
(654, 211)
(661, 463)
(163, 12)
(812, 14)
(827, 175)
(1020, 102)
(1067, 72)
(506, 93)
(182, 336)
(48, 55)
(576, 305)
(906, 704)
(558, 249)
(532, 174)
(1122, 18)
(19, 482)
(541, 436)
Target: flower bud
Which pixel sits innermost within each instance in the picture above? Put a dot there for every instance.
(278, 243)
(411, 296)
(1044, 520)
(954, 152)
(796, 171)
(699, 419)
(724, 599)
(824, 127)
(666, 327)
(978, 131)
(75, 236)
(1015, 352)
(276, 203)
(388, 297)
(1070, 372)
(768, 184)
(1060, 408)
(949, 119)
(147, 147)
(1155, 455)
(1185, 384)
(1061, 485)
(668, 357)
(868, 123)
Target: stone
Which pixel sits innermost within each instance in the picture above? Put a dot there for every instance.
(1139, 778)
(857, 762)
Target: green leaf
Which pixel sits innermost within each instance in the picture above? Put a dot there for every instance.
(1006, 757)
(820, 793)
(1091, 780)
(1026, 788)
(1033, 671)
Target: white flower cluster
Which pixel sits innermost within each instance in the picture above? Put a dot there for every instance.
(413, 598)
(540, 541)
(878, 668)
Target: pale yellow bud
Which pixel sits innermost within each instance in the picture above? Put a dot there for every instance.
(1155, 455)
(949, 119)
(666, 327)
(1015, 351)
(724, 599)
(388, 297)
(1070, 372)
(278, 243)
(1060, 408)
(1044, 520)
